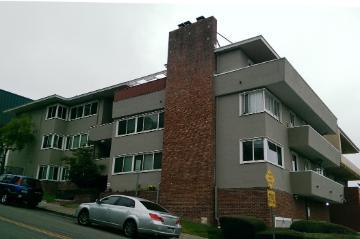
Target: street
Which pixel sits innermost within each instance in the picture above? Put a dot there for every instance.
(18, 222)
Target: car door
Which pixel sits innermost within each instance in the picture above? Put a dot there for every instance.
(121, 210)
(99, 211)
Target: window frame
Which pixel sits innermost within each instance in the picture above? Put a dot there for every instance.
(47, 168)
(52, 146)
(136, 117)
(265, 151)
(57, 112)
(264, 91)
(133, 156)
(83, 105)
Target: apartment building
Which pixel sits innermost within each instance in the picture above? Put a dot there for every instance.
(204, 132)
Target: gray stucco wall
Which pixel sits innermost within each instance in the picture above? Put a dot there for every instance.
(32, 156)
(230, 129)
(139, 104)
(230, 60)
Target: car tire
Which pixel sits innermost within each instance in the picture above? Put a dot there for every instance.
(83, 218)
(130, 228)
(5, 199)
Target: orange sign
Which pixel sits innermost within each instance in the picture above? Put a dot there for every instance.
(271, 198)
(270, 179)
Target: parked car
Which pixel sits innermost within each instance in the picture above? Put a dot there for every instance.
(18, 188)
(131, 214)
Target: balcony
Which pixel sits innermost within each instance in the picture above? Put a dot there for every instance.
(101, 132)
(312, 184)
(281, 79)
(306, 141)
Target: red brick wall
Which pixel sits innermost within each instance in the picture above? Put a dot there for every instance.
(142, 89)
(187, 177)
(253, 202)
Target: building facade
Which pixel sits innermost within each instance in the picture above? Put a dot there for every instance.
(204, 132)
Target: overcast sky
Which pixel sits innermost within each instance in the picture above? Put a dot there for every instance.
(73, 48)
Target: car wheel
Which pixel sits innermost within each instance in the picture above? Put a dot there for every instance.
(83, 217)
(130, 228)
(5, 199)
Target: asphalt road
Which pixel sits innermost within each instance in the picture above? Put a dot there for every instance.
(23, 223)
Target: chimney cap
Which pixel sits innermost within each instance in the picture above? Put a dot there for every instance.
(200, 18)
(181, 25)
(187, 23)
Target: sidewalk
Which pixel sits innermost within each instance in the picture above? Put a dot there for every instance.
(70, 212)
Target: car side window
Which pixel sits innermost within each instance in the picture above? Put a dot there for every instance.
(109, 200)
(8, 178)
(125, 202)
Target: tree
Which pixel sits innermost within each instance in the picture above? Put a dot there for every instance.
(15, 135)
(84, 172)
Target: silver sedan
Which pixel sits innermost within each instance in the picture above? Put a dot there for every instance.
(131, 214)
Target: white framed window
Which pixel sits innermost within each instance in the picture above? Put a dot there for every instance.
(57, 112)
(257, 101)
(261, 150)
(137, 162)
(141, 123)
(52, 141)
(53, 173)
(76, 141)
(83, 110)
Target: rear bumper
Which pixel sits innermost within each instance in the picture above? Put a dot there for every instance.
(162, 230)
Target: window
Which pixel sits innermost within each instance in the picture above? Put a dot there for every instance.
(259, 101)
(138, 124)
(125, 202)
(76, 142)
(47, 141)
(83, 110)
(54, 141)
(261, 149)
(319, 170)
(109, 200)
(51, 113)
(138, 162)
(56, 111)
(68, 142)
(294, 162)
(274, 153)
(53, 173)
(42, 172)
(292, 119)
(83, 140)
(153, 206)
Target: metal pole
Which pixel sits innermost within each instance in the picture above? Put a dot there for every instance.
(272, 222)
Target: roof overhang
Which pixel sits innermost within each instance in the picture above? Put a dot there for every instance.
(256, 48)
(106, 92)
(347, 145)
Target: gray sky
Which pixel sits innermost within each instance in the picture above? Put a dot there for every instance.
(73, 48)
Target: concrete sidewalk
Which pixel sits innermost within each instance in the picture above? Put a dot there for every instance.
(70, 212)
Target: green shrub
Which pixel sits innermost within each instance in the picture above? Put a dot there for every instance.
(320, 227)
(280, 234)
(236, 227)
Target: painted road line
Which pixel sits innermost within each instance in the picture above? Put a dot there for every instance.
(35, 229)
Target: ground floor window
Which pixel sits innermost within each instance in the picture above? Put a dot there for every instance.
(261, 149)
(137, 162)
(53, 173)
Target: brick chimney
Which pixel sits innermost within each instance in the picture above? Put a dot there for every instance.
(188, 175)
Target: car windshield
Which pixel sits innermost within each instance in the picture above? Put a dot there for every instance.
(29, 182)
(153, 206)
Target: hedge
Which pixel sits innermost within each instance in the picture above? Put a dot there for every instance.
(237, 227)
(311, 226)
(280, 234)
